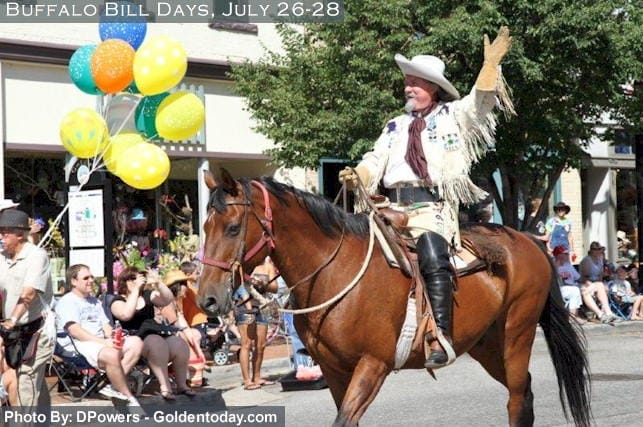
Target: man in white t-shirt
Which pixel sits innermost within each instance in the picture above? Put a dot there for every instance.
(82, 316)
(570, 289)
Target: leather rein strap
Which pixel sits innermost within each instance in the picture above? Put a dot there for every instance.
(266, 239)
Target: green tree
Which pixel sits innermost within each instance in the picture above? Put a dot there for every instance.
(335, 85)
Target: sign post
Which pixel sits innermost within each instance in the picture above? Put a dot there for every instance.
(88, 228)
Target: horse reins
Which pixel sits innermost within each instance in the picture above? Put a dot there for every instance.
(267, 239)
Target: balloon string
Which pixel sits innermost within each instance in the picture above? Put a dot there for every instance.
(97, 163)
(99, 156)
(48, 235)
(151, 138)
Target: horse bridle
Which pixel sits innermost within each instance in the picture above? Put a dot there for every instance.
(267, 237)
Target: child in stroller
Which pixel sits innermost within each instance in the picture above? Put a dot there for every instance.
(222, 339)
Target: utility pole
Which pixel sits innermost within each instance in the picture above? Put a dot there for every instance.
(638, 146)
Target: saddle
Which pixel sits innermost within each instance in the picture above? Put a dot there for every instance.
(399, 248)
(392, 226)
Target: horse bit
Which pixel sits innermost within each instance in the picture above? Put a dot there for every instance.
(266, 239)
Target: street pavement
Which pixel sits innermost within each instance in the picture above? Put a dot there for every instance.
(463, 395)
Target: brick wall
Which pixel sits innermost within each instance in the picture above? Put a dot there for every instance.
(571, 193)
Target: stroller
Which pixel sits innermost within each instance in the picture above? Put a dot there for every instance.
(220, 342)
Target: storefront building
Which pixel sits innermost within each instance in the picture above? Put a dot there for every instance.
(602, 196)
(36, 92)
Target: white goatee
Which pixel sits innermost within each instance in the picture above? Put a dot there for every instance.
(410, 105)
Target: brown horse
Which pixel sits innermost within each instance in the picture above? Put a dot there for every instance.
(318, 249)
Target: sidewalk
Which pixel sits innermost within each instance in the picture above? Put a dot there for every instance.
(221, 379)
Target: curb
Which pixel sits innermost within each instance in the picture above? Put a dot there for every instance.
(221, 379)
(591, 328)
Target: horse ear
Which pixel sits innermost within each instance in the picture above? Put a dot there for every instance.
(229, 183)
(210, 182)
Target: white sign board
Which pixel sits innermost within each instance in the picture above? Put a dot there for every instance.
(86, 219)
(92, 258)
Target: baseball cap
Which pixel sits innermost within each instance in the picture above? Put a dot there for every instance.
(560, 250)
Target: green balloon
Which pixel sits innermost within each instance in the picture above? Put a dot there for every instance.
(145, 115)
(80, 70)
(132, 89)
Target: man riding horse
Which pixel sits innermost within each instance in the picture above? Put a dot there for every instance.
(423, 159)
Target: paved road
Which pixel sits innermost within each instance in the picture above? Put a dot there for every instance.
(465, 395)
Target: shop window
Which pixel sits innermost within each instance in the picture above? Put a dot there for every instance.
(156, 227)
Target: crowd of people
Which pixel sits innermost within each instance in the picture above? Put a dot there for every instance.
(160, 326)
(594, 287)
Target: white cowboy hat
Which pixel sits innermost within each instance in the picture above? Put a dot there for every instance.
(7, 204)
(620, 235)
(430, 68)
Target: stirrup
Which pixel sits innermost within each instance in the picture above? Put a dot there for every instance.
(448, 353)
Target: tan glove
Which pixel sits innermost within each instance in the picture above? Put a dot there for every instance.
(349, 176)
(493, 54)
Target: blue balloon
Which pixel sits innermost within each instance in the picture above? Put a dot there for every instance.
(80, 69)
(131, 32)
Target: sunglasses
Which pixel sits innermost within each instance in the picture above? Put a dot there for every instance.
(9, 231)
(86, 277)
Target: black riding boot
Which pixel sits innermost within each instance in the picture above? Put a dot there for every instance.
(435, 267)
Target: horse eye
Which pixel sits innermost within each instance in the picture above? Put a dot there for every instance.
(232, 229)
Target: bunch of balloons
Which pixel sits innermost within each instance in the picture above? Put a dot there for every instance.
(139, 77)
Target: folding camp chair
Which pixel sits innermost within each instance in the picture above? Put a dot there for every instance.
(73, 371)
(620, 308)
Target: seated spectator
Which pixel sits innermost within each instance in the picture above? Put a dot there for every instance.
(591, 269)
(620, 287)
(8, 379)
(8, 382)
(133, 306)
(81, 315)
(193, 314)
(633, 278)
(177, 282)
(637, 309)
(570, 289)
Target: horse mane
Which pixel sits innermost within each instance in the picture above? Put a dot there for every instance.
(330, 219)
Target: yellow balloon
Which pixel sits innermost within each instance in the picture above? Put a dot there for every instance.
(117, 145)
(179, 116)
(159, 65)
(143, 166)
(83, 133)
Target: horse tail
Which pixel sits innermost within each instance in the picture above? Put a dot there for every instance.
(567, 348)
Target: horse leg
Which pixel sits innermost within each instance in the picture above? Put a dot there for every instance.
(337, 383)
(518, 345)
(365, 383)
(509, 366)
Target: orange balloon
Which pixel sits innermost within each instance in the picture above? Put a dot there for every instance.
(111, 65)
